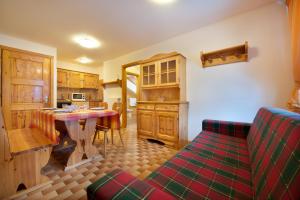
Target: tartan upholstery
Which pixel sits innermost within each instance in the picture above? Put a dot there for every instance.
(222, 162)
(236, 129)
(121, 185)
(231, 150)
(274, 148)
(198, 176)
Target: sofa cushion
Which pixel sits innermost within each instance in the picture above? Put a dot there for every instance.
(121, 185)
(274, 148)
(236, 129)
(232, 150)
(197, 176)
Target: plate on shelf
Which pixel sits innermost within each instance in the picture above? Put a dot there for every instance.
(97, 108)
(62, 111)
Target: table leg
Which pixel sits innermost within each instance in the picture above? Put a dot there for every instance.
(82, 137)
(112, 135)
(104, 144)
(89, 148)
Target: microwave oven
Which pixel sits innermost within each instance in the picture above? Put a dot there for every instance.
(78, 97)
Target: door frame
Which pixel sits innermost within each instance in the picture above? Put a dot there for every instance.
(51, 95)
(124, 91)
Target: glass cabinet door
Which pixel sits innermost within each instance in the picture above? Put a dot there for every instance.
(149, 75)
(168, 72)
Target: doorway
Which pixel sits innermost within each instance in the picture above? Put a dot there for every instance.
(132, 75)
(130, 93)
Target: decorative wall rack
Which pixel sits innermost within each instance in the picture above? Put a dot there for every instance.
(225, 56)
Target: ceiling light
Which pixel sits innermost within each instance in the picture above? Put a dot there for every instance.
(84, 60)
(86, 41)
(163, 1)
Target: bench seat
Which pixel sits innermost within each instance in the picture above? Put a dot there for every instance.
(23, 154)
(27, 139)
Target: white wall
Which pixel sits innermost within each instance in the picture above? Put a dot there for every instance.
(234, 91)
(33, 47)
(81, 68)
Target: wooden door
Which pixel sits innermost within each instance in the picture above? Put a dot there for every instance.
(90, 81)
(145, 122)
(26, 79)
(62, 78)
(149, 75)
(75, 80)
(168, 72)
(167, 125)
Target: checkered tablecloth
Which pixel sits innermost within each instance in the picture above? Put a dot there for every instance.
(45, 120)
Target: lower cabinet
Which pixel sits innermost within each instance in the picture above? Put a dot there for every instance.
(163, 122)
(167, 126)
(145, 122)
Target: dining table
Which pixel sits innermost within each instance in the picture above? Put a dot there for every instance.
(79, 126)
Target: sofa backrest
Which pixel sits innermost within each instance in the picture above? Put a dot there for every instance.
(274, 147)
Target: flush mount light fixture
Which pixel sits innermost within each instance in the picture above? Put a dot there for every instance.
(86, 41)
(163, 1)
(84, 60)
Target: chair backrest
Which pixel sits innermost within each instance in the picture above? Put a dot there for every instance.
(103, 104)
(117, 107)
(274, 147)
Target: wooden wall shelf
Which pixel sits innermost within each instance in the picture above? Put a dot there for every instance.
(117, 82)
(225, 56)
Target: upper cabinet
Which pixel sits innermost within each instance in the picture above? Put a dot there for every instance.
(149, 72)
(62, 78)
(73, 79)
(168, 71)
(90, 81)
(163, 71)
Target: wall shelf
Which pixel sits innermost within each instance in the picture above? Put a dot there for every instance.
(117, 82)
(225, 56)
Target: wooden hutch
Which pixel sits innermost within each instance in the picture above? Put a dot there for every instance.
(162, 110)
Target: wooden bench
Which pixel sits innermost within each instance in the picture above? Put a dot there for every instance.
(23, 154)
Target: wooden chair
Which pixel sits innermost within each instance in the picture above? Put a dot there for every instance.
(23, 154)
(101, 104)
(105, 126)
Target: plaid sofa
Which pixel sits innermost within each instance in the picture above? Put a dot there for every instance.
(227, 160)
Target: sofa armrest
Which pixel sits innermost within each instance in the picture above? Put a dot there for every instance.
(121, 185)
(235, 129)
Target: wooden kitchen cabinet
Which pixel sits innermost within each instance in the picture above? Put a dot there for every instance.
(145, 123)
(90, 81)
(75, 80)
(62, 78)
(167, 126)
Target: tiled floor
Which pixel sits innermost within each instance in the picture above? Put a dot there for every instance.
(139, 158)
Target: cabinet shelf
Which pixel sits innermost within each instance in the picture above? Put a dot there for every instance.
(225, 56)
(117, 82)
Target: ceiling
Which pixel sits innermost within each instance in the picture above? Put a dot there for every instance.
(122, 26)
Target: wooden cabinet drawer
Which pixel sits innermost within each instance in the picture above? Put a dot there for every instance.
(167, 107)
(145, 106)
